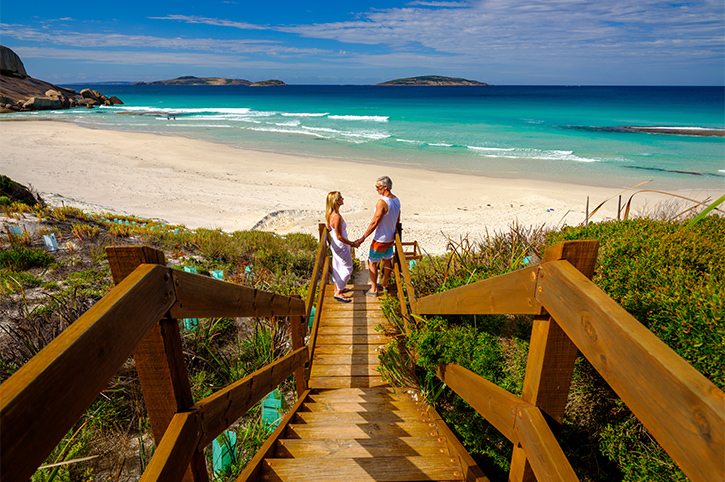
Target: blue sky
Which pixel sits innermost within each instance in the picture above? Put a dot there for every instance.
(562, 42)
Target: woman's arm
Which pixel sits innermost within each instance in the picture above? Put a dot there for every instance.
(336, 224)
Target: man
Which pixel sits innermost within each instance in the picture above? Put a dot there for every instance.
(385, 220)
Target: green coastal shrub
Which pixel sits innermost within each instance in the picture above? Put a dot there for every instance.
(20, 258)
(669, 276)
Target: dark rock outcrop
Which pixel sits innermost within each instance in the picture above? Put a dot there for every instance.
(11, 63)
(19, 92)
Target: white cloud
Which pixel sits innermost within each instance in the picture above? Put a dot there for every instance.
(211, 21)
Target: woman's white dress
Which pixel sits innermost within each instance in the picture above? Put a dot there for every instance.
(341, 257)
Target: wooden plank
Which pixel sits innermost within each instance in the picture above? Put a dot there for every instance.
(348, 349)
(201, 297)
(320, 260)
(363, 339)
(377, 406)
(361, 430)
(392, 469)
(318, 311)
(361, 417)
(174, 452)
(98, 343)
(471, 471)
(222, 408)
(159, 358)
(343, 370)
(682, 409)
(347, 359)
(346, 382)
(552, 354)
(350, 396)
(365, 448)
(544, 453)
(493, 402)
(367, 329)
(254, 467)
(412, 298)
(511, 293)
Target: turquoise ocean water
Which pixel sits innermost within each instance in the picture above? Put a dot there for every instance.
(571, 134)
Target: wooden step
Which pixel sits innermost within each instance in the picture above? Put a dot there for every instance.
(351, 329)
(360, 407)
(361, 430)
(361, 417)
(364, 339)
(362, 395)
(384, 469)
(348, 359)
(319, 370)
(343, 349)
(346, 382)
(408, 446)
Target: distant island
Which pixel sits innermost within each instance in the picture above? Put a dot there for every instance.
(435, 80)
(191, 80)
(268, 83)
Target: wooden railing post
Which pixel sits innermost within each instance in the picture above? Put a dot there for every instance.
(159, 359)
(551, 358)
(297, 326)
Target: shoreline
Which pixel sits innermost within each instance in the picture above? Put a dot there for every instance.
(212, 185)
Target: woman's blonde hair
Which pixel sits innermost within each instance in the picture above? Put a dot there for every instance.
(332, 206)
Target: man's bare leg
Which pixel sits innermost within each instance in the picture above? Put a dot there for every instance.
(387, 269)
(373, 268)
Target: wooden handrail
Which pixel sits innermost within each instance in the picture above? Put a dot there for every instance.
(320, 260)
(79, 363)
(511, 293)
(99, 342)
(200, 296)
(222, 408)
(682, 409)
(318, 311)
(174, 453)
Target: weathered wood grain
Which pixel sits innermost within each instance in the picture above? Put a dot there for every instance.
(342, 431)
(346, 382)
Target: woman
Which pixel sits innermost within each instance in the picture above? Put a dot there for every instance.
(341, 256)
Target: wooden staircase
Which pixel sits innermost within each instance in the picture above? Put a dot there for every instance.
(352, 426)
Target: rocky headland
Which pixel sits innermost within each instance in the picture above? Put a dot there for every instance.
(20, 92)
(433, 80)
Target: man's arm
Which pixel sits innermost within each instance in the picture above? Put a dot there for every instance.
(381, 208)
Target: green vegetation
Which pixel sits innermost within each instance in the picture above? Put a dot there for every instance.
(668, 275)
(42, 293)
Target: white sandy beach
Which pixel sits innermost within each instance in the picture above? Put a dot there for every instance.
(202, 184)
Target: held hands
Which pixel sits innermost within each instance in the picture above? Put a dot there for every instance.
(357, 242)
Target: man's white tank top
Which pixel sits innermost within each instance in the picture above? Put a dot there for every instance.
(385, 232)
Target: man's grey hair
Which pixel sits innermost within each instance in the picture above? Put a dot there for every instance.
(385, 181)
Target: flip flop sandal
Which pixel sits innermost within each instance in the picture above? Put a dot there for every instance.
(343, 300)
(346, 290)
(370, 293)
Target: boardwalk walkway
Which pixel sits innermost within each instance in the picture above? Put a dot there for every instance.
(352, 426)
